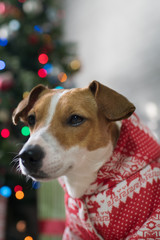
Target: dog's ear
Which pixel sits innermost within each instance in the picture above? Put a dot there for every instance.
(112, 104)
(27, 103)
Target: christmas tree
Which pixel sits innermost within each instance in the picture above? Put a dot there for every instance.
(32, 51)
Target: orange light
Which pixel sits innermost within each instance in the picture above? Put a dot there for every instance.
(19, 195)
(28, 238)
(62, 77)
(21, 226)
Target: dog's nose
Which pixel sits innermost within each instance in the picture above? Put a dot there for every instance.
(32, 157)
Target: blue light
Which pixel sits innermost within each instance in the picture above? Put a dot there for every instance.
(48, 67)
(59, 87)
(3, 42)
(38, 29)
(5, 191)
(2, 65)
(36, 185)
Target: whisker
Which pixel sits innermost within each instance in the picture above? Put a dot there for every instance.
(15, 160)
(12, 152)
(27, 178)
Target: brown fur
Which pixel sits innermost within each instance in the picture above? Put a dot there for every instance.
(98, 104)
(92, 133)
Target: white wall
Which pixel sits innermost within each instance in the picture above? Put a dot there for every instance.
(118, 43)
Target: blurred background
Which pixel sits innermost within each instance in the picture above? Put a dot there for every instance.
(66, 44)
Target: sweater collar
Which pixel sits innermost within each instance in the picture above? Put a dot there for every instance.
(135, 149)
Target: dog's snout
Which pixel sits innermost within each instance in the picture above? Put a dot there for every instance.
(32, 157)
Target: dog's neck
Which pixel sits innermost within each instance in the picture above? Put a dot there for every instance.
(78, 181)
(85, 173)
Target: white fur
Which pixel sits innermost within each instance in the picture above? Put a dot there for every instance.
(53, 105)
(77, 166)
(85, 167)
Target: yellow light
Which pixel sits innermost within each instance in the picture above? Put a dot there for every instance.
(25, 94)
(28, 238)
(19, 195)
(21, 226)
(75, 65)
(62, 77)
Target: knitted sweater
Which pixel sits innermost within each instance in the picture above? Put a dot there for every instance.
(124, 201)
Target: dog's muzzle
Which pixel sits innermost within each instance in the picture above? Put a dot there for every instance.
(31, 158)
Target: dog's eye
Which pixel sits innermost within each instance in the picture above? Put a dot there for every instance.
(75, 120)
(31, 120)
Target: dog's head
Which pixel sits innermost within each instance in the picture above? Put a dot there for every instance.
(67, 125)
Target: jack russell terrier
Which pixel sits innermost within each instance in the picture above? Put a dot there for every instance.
(106, 160)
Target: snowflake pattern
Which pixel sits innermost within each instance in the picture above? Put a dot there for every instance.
(125, 199)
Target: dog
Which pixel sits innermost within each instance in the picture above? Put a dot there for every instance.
(106, 160)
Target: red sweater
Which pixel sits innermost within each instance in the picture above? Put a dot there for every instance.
(124, 201)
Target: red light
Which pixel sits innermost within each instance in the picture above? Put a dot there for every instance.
(2, 8)
(43, 58)
(18, 188)
(21, 1)
(42, 73)
(5, 133)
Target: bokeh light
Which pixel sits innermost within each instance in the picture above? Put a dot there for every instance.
(28, 238)
(75, 65)
(2, 8)
(25, 131)
(5, 191)
(21, 1)
(59, 87)
(62, 77)
(21, 226)
(5, 133)
(42, 73)
(36, 185)
(43, 58)
(48, 67)
(18, 188)
(19, 195)
(14, 25)
(38, 29)
(3, 42)
(25, 94)
(2, 65)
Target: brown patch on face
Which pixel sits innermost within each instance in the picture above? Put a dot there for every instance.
(93, 133)
(40, 109)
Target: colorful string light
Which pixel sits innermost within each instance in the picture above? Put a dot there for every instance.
(36, 185)
(62, 77)
(21, 1)
(59, 87)
(38, 29)
(2, 65)
(21, 226)
(3, 42)
(19, 195)
(75, 65)
(18, 188)
(28, 238)
(5, 133)
(5, 191)
(48, 67)
(2, 8)
(43, 58)
(42, 73)
(25, 131)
